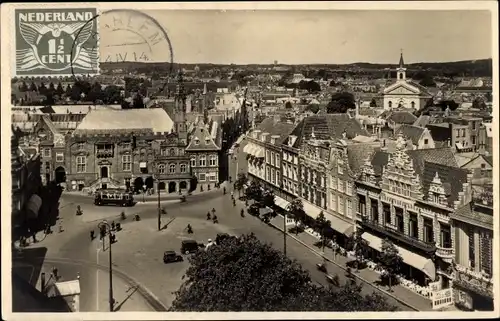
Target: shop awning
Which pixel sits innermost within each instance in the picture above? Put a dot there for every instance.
(280, 202)
(33, 206)
(265, 210)
(339, 225)
(459, 145)
(311, 210)
(247, 149)
(417, 261)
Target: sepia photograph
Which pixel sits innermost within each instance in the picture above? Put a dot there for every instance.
(296, 157)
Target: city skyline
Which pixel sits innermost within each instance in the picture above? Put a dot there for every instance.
(338, 36)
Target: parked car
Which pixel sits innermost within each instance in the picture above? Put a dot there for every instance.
(189, 246)
(171, 256)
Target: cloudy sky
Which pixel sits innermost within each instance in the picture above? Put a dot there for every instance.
(326, 36)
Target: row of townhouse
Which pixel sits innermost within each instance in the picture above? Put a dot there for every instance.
(419, 199)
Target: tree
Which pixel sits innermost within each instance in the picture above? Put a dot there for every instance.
(296, 210)
(95, 93)
(23, 87)
(240, 182)
(288, 105)
(478, 103)
(33, 86)
(340, 103)
(42, 89)
(322, 224)
(138, 102)
(451, 104)
(311, 86)
(254, 191)
(244, 274)
(359, 246)
(373, 103)
(389, 261)
(112, 95)
(427, 81)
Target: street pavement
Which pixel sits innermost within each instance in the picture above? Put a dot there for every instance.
(138, 252)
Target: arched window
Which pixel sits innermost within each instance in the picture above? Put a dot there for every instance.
(413, 104)
(172, 152)
(183, 168)
(390, 104)
(401, 76)
(161, 168)
(171, 168)
(193, 161)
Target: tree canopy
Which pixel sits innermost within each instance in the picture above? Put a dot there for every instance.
(340, 103)
(244, 274)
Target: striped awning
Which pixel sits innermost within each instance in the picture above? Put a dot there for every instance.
(281, 202)
(311, 210)
(33, 206)
(417, 261)
(340, 225)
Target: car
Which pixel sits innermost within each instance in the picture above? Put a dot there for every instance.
(189, 246)
(171, 256)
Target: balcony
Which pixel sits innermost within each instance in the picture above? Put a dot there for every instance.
(447, 254)
(102, 153)
(474, 281)
(395, 234)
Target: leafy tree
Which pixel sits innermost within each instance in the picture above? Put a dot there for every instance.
(427, 81)
(240, 182)
(68, 90)
(296, 210)
(138, 102)
(95, 92)
(52, 88)
(322, 224)
(390, 261)
(311, 86)
(243, 274)
(288, 105)
(59, 90)
(76, 93)
(111, 95)
(42, 89)
(33, 86)
(479, 103)
(254, 191)
(373, 103)
(359, 246)
(23, 87)
(340, 103)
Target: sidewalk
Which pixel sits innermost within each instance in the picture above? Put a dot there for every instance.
(399, 292)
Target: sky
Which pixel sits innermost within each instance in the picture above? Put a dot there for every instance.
(326, 36)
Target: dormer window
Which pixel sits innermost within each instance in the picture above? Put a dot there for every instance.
(196, 141)
(207, 140)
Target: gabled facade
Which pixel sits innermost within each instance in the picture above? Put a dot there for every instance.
(205, 142)
(410, 201)
(405, 93)
(416, 137)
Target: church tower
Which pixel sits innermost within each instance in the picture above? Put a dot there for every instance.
(179, 116)
(401, 70)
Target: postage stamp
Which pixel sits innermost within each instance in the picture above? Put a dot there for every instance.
(52, 42)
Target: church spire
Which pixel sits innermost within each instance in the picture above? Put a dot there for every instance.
(401, 60)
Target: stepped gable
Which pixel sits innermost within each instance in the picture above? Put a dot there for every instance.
(452, 179)
(327, 127)
(125, 121)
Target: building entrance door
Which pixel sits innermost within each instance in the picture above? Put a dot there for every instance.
(104, 172)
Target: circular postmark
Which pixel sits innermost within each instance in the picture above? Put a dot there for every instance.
(127, 36)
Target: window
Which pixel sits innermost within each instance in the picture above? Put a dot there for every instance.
(268, 174)
(277, 176)
(483, 166)
(445, 237)
(361, 205)
(323, 181)
(277, 161)
(163, 152)
(268, 156)
(486, 253)
(193, 161)
(340, 166)
(473, 138)
(213, 160)
(341, 205)
(413, 226)
(81, 164)
(341, 186)
(334, 183)
(171, 168)
(387, 214)
(213, 177)
(428, 231)
(183, 168)
(60, 157)
(426, 141)
(207, 141)
(472, 247)
(46, 152)
(202, 177)
(80, 146)
(272, 158)
(196, 141)
(172, 152)
(203, 160)
(273, 177)
(334, 202)
(390, 104)
(463, 132)
(458, 133)
(399, 220)
(349, 208)
(473, 125)
(413, 104)
(126, 163)
(374, 210)
(126, 145)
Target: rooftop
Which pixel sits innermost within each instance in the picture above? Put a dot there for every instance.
(109, 121)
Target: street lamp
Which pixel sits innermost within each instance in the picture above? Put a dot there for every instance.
(104, 226)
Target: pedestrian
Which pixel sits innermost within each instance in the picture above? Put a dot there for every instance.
(55, 273)
(113, 225)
